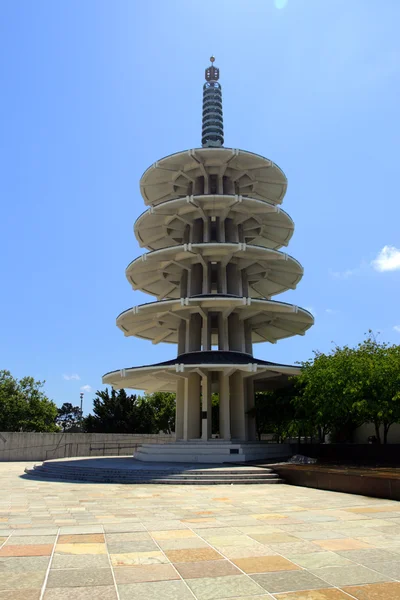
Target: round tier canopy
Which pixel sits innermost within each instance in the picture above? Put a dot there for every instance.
(175, 175)
(268, 271)
(164, 376)
(262, 223)
(270, 321)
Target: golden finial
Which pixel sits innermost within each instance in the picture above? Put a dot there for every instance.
(212, 59)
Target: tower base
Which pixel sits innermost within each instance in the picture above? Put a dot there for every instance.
(213, 451)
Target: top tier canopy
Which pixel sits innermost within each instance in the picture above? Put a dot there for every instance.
(213, 171)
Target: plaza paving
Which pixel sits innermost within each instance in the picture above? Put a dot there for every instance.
(62, 541)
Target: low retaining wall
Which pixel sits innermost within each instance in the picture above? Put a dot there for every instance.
(16, 446)
(359, 454)
(379, 484)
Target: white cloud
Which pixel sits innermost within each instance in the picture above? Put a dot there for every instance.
(86, 388)
(397, 328)
(70, 377)
(331, 311)
(388, 259)
(344, 274)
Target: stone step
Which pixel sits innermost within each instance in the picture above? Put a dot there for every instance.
(206, 472)
(183, 481)
(148, 477)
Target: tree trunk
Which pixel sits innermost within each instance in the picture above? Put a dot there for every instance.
(386, 427)
(377, 431)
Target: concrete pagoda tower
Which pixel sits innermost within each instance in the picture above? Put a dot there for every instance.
(214, 229)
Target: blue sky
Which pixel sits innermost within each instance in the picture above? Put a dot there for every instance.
(94, 92)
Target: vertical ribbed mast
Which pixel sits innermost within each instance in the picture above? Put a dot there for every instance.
(212, 134)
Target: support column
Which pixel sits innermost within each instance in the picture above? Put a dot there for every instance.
(193, 334)
(206, 406)
(224, 407)
(182, 337)
(179, 409)
(250, 403)
(236, 333)
(223, 342)
(191, 423)
(248, 342)
(238, 422)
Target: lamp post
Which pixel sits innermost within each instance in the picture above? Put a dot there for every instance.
(81, 397)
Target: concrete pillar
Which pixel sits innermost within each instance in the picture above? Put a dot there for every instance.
(196, 280)
(248, 342)
(179, 410)
(191, 422)
(197, 231)
(206, 407)
(233, 280)
(245, 284)
(207, 278)
(223, 342)
(221, 279)
(198, 186)
(231, 231)
(193, 337)
(224, 407)
(250, 403)
(182, 337)
(235, 333)
(238, 421)
(229, 186)
(206, 333)
(184, 284)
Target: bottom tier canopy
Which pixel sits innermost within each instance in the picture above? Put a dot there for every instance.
(166, 375)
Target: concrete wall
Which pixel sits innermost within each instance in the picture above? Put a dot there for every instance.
(362, 433)
(44, 446)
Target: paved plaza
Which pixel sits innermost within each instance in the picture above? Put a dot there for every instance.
(62, 541)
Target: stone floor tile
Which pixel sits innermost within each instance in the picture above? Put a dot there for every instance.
(138, 558)
(246, 551)
(325, 534)
(16, 595)
(289, 581)
(83, 529)
(19, 540)
(165, 525)
(319, 559)
(104, 592)
(215, 588)
(22, 581)
(174, 534)
(27, 550)
(182, 544)
(140, 573)
(81, 549)
(390, 569)
(342, 544)
(349, 575)
(82, 538)
(232, 540)
(327, 594)
(365, 557)
(21, 564)
(380, 591)
(126, 547)
(192, 555)
(134, 536)
(274, 538)
(59, 578)
(215, 531)
(206, 568)
(81, 561)
(157, 590)
(264, 564)
(300, 547)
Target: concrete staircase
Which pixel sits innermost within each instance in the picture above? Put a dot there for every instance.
(71, 470)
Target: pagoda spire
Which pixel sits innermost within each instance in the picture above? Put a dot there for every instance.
(212, 134)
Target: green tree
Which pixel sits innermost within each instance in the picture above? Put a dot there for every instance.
(163, 407)
(119, 412)
(68, 416)
(378, 383)
(24, 406)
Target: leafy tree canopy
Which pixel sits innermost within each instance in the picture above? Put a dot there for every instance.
(68, 416)
(24, 406)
